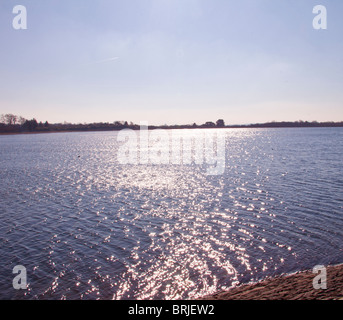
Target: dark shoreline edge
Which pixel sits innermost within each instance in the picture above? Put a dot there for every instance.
(167, 128)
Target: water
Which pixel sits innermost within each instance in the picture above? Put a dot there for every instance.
(86, 227)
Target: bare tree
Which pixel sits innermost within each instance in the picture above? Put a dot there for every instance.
(10, 119)
(21, 120)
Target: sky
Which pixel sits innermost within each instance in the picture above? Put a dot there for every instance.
(172, 61)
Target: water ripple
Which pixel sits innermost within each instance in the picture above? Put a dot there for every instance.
(86, 227)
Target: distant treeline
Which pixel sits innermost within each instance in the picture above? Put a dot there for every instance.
(289, 124)
(10, 123)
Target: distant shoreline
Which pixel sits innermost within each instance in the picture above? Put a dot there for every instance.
(296, 286)
(108, 128)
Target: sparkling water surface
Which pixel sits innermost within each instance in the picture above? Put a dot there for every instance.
(87, 227)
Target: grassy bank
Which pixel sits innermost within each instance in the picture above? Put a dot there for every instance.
(297, 286)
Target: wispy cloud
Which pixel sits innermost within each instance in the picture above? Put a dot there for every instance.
(106, 60)
(101, 61)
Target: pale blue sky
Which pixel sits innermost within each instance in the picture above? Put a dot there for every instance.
(172, 61)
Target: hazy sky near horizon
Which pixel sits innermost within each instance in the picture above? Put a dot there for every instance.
(172, 61)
